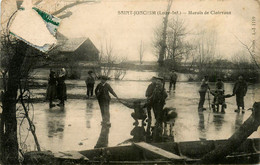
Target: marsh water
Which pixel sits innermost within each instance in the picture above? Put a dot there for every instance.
(77, 125)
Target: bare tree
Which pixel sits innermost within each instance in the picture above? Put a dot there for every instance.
(177, 46)
(206, 49)
(204, 54)
(162, 42)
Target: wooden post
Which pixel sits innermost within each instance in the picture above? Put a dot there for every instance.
(248, 127)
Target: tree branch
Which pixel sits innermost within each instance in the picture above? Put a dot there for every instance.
(71, 5)
(248, 49)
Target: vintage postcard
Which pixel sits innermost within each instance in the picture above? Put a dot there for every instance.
(130, 81)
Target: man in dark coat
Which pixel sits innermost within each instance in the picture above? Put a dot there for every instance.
(204, 87)
(90, 82)
(240, 90)
(173, 79)
(158, 101)
(102, 93)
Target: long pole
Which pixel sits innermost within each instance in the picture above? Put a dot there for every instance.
(209, 101)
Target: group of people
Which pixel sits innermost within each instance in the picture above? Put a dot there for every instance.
(240, 90)
(56, 87)
(155, 93)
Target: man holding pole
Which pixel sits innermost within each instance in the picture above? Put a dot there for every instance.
(102, 93)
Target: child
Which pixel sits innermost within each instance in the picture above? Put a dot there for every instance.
(139, 113)
(219, 99)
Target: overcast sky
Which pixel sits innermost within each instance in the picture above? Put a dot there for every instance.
(102, 22)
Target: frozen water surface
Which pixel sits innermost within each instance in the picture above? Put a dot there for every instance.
(77, 125)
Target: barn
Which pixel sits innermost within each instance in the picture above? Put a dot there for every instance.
(81, 49)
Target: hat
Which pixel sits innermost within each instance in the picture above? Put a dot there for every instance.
(153, 78)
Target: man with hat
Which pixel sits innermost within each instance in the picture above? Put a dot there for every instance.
(102, 93)
(158, 101)
(173, 79)
(90, 82)
(204, 87)
(240, 90)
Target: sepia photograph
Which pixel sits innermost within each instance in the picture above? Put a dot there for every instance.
(129, 82)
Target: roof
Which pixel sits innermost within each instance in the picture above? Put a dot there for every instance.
(72, 44)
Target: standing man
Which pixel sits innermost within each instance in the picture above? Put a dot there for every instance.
(102, 93)
(61, 87)
(90, 82)
(158, 101)
(204, 87)
(173, 79)
(148, 95)
(240, 90)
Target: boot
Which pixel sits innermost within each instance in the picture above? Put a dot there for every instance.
(51, 104)
(237, 110)
(223, 109)
(243, 110)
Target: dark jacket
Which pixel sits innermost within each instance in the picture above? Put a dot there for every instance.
(159, 95)
(102, 91)
(219, 97)
(61, 88)
(52, 79)
(150, 89)
(173, 77)
(204, 87)
(90, 80)
(240, 88)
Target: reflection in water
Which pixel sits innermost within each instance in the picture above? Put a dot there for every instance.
(239, 121)
(103, 137)
(89, 112)
(218, 121)
(201, 128)
(55, 122)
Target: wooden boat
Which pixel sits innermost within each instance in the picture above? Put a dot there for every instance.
(189, 152)
(172, 152)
